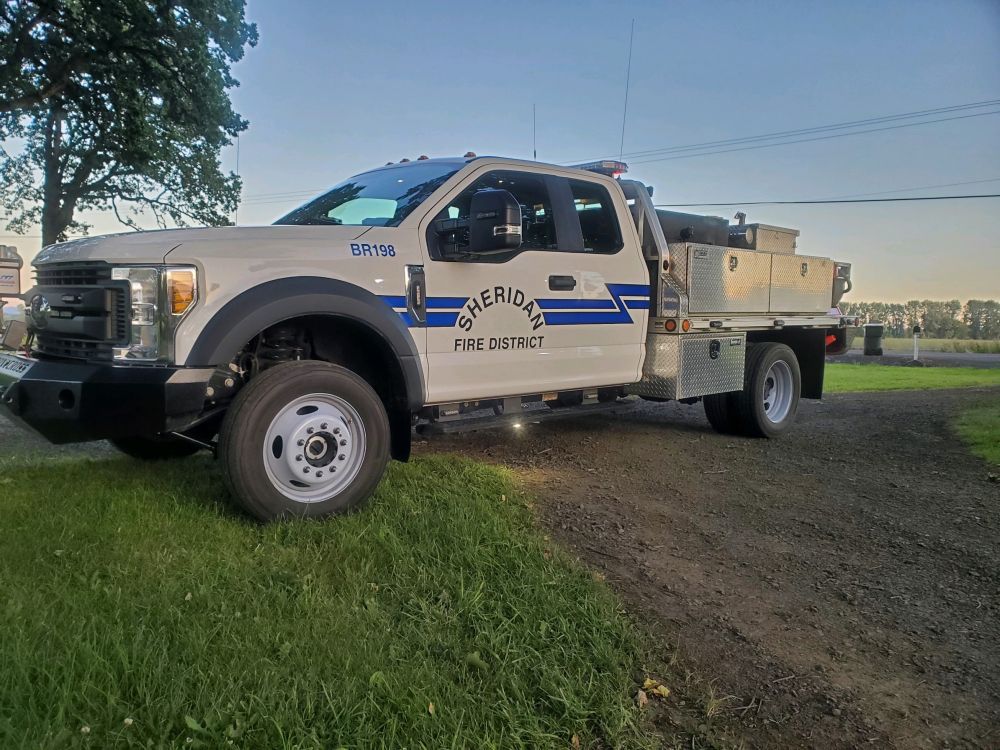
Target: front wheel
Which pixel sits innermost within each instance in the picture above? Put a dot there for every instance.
(772, 384)
(304, 439)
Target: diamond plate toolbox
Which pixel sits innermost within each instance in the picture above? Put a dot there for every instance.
(721, 279)
(801, 284)
(686, 366)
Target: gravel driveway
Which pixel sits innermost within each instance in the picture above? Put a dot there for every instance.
(839, 587)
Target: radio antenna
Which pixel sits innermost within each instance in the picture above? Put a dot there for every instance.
(236, 213)
(534, 133)
(628, 77)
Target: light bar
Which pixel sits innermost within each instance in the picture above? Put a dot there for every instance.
(610, 167)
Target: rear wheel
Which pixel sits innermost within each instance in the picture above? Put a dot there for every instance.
(721, 413)
(304, 439)
(767, 404)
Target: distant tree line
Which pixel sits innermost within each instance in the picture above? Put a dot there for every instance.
(940, 319)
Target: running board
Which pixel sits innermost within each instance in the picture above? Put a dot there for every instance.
(532, 416)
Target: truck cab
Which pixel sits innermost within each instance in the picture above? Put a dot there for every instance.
(303, 353)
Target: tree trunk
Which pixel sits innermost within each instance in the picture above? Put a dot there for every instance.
(57, 212)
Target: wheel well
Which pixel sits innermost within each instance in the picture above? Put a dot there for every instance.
(359, 348)
(809, 345)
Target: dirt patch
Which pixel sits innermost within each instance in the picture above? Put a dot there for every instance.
(839, 587)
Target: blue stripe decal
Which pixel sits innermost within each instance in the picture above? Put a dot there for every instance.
(393, 301)
(586, 318)
(621, 307)
(446, 303)
(629, 290)
(442, 319)
(555, 312)
(575, 304)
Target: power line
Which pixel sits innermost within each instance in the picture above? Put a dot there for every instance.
(817, 138)
(809, 130)
(919, 187)
(828, 200)
(822, 128)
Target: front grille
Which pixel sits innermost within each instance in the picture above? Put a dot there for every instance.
(89, 312)
(73, 274)
(71, 348)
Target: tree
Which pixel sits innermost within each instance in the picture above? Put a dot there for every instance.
(118, 105)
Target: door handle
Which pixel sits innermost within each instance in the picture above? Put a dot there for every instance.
(562, 283)
(416, 295)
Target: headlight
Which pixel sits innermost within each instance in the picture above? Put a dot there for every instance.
(159, 298)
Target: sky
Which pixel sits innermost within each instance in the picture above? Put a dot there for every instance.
(336, 88)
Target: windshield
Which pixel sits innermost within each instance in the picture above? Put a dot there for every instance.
(380, 198)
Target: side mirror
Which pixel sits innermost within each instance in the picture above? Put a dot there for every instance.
(494, 222)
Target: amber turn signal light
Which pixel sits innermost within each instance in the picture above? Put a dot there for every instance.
(180, 289)
(686, 326)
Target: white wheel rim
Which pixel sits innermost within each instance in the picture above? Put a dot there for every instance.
(778, 392)
(314, 447)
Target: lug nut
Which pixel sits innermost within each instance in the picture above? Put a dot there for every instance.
(300, 442)
(305, 470)
(336, 430)
(341, 457)
(310, 430)
(324, 426)
(343, 442)
(319, 473)
(298, 457)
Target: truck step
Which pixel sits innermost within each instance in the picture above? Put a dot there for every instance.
(524, 418)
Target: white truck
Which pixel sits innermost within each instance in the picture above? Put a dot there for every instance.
(304, 353)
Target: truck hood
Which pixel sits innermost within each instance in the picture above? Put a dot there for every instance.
(155, 246)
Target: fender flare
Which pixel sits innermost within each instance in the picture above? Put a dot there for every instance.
(273, 302)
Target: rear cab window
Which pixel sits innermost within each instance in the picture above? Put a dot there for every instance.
(598, 219)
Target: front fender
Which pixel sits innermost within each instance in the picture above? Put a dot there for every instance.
(273, 302)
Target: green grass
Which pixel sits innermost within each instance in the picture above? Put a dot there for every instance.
(975, 346)
(850, 377)
(139, 610)
(980, 428)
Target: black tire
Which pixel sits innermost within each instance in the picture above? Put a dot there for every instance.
(607, 395)
(566, 400)
(749, 404)
(155, 447)
(244, 432)
(721, 413)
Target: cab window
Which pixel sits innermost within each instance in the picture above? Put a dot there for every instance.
(598, 222)
(538, 227)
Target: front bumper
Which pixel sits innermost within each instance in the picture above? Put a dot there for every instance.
(70, 402)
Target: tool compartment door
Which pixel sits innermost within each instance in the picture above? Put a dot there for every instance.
(801, 284)
(724, 280)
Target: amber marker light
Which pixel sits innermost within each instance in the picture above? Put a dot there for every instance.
(180, 289)
(686, 326)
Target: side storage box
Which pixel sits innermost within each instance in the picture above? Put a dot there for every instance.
(801, 284)
(722, 279)
(689, 365)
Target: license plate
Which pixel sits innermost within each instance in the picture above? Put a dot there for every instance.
(13, 368)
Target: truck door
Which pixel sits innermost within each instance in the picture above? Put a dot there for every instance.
(566, 310)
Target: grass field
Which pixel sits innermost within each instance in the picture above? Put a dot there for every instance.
(139, 610)
(980, 428)
(851, 377)
(975, 346)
